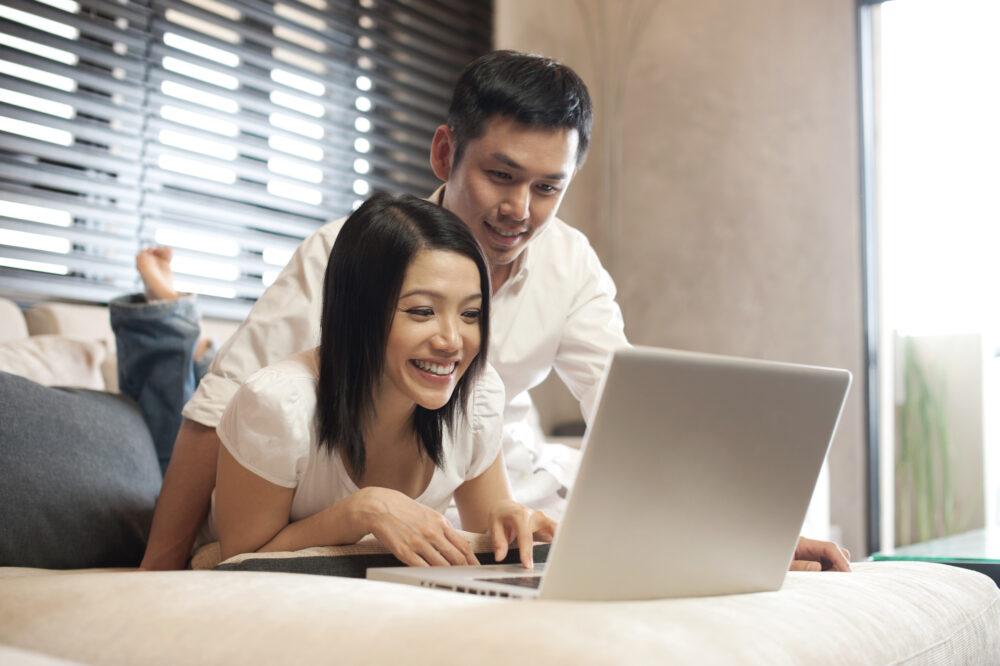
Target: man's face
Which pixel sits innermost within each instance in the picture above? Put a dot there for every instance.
(508, 184)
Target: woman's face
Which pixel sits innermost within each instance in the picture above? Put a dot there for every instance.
(435, 330)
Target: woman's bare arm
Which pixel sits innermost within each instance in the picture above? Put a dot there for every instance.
(184, 498)
(252, 515)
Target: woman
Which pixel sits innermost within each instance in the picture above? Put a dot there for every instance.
(393, 414)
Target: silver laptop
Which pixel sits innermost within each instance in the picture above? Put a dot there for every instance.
(696, 475)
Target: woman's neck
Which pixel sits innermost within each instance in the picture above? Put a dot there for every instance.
(394, 457)
(391, 424)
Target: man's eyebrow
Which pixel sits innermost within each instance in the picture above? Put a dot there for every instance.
(506, 159)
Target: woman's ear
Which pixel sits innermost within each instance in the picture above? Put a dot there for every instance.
(442, 152)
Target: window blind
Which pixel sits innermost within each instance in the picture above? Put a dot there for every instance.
(229, 130)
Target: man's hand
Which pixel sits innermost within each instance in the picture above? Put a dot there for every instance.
(813, 555)
(416, 534)
(510, 520)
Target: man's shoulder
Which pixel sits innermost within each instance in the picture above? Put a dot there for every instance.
(562, 244)
(561, 232)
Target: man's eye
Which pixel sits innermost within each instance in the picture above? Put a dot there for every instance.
(500, 175)
(548, 189)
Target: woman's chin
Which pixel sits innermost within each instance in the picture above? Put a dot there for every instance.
(433, 404)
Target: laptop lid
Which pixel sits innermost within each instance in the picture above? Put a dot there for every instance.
(695, 479)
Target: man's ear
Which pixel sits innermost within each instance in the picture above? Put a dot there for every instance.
(442, 152)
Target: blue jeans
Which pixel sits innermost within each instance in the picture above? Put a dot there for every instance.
(156, 366)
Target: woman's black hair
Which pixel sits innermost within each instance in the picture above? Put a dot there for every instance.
(361, 290)
(532, 89)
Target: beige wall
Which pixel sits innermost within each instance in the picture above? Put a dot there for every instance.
(722, 190)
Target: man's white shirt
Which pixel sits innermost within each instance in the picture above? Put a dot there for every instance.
(556, 310)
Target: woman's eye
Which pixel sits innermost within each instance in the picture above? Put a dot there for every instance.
(471, 315)
(420, 312)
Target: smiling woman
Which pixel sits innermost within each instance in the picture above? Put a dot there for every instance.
(395, 412)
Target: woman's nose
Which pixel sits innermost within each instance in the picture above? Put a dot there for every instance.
(447, 338)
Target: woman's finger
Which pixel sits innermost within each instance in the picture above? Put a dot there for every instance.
(499, 537)
(462, 544)
(525, 540)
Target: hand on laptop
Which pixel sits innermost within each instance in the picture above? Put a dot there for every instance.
(814, 555)
(416, 534)
(510, 520)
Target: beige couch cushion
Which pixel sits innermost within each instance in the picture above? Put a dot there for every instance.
(93, 322)
(90, 322)
(12, 325)
(884, 613)
(55, 360)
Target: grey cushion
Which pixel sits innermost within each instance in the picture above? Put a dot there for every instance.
(80, 477)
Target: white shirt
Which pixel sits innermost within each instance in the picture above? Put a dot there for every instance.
(556, 310)
(269, 428)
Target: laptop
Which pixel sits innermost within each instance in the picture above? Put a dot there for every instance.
(696, 474)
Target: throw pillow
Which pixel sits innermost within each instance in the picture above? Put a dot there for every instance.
(55, 360)
(80, 477)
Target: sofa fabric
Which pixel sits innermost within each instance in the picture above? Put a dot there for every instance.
(883, 613)
(12, 324)
(80, 477)
(55, 360)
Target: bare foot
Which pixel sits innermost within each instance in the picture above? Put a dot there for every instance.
(153, 265)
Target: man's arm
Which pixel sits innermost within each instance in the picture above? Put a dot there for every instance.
(284, 320)
(593, 329)
(184, 498)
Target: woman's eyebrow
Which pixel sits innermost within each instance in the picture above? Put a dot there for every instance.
(430, 293)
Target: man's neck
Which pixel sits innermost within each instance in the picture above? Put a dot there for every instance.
(499, 275)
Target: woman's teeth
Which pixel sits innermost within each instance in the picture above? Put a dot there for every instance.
(435, 368)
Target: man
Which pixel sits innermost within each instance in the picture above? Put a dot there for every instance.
(518, 130)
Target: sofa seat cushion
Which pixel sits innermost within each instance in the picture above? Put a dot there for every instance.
(80, 477)
(884, 613)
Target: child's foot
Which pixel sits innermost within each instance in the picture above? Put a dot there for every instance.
(153, 265)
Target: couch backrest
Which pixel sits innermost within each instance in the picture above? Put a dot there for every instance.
(12, 324)
(93, 322)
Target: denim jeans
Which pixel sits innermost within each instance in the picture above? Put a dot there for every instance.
(156, 366)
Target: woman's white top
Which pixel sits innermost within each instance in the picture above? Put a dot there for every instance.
(269, 427)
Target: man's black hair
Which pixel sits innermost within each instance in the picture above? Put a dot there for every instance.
(532, 89)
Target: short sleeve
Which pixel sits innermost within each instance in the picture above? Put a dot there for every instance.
(486, 419)
(268, 426)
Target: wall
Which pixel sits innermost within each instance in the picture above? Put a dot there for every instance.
(722, 190)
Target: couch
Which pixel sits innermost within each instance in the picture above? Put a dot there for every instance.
(75, 510)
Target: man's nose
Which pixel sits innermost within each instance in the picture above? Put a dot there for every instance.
(517, 203)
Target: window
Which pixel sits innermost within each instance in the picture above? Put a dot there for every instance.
(933, 228)
(229, 130)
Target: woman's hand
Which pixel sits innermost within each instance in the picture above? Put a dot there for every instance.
(417, 535)
(510, 520)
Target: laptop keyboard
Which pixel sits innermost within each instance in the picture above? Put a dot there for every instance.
(520, 581)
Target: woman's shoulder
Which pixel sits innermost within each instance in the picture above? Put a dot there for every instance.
(287, 386)
(298, 368)
(484, 412)
(488, 398)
